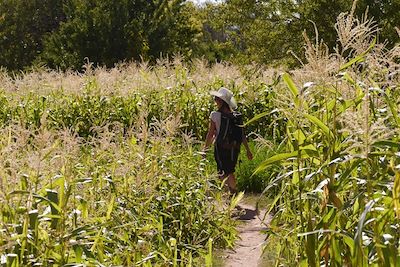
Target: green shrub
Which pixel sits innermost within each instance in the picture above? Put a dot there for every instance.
(247, 179)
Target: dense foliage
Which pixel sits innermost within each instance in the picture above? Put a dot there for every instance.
(23, 25)
(107, 32)
(67, 34)
(271, 31)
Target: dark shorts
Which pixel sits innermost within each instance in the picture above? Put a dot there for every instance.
(226, 159)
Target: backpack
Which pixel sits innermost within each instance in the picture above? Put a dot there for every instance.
(231, 130)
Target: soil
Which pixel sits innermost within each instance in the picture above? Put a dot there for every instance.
(248, 249)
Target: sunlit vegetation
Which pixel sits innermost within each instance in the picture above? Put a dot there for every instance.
(336, 198)
(102, 167)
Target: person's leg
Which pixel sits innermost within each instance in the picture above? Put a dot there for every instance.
(231, 181)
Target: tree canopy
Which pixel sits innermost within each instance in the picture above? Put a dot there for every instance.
(67, 33)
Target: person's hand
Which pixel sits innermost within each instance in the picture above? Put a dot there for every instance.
(249, 155)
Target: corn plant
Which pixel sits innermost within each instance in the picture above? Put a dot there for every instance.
(338, 193)
(139, 198)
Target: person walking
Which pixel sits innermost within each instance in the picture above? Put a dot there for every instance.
(227, 132)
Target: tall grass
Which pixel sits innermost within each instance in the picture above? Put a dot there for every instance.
(338, 200)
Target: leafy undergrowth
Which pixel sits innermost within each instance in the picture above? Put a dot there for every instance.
(247, 179)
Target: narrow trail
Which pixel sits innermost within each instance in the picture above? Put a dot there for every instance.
(248, 249)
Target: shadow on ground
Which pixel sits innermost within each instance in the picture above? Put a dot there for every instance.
(248, 214)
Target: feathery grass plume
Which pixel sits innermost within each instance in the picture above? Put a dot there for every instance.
(359, 137)
(318, 53)
(319, 61)
(354, 34)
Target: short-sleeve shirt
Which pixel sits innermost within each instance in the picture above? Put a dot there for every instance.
(215, 116)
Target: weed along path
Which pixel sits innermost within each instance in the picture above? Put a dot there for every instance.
(248, 249)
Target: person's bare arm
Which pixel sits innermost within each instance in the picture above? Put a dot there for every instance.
(246, 145)
(212, 131)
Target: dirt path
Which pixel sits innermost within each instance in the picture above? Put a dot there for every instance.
(248, 248)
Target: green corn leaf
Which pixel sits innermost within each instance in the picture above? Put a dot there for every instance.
(356, 206)
(386, 143)
(348, 78)
(336, 251)
(303, 152)
(353, 61)
(359, 92)
(272, 205)
(60, 182)
(292, 87)
(256, 118)
(345, 105)
(342, 106)
(349, 242)
(327, 218)
(344, 178)
(274, 159)
(235, 200)
(12, 260)
(360, 226)
(295, 176)
(209, 258)
(110, 207)
(56, 255)
(84, 208)
(320, 125)
(299, 136)
(309, 150)
(359, 58)
(78, 253)
(396, 194)
(19, 192)
(304, 263)
(393, 109)
(331, 105)
(289, 82)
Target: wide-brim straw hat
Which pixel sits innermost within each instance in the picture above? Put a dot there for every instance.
(226, 95)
